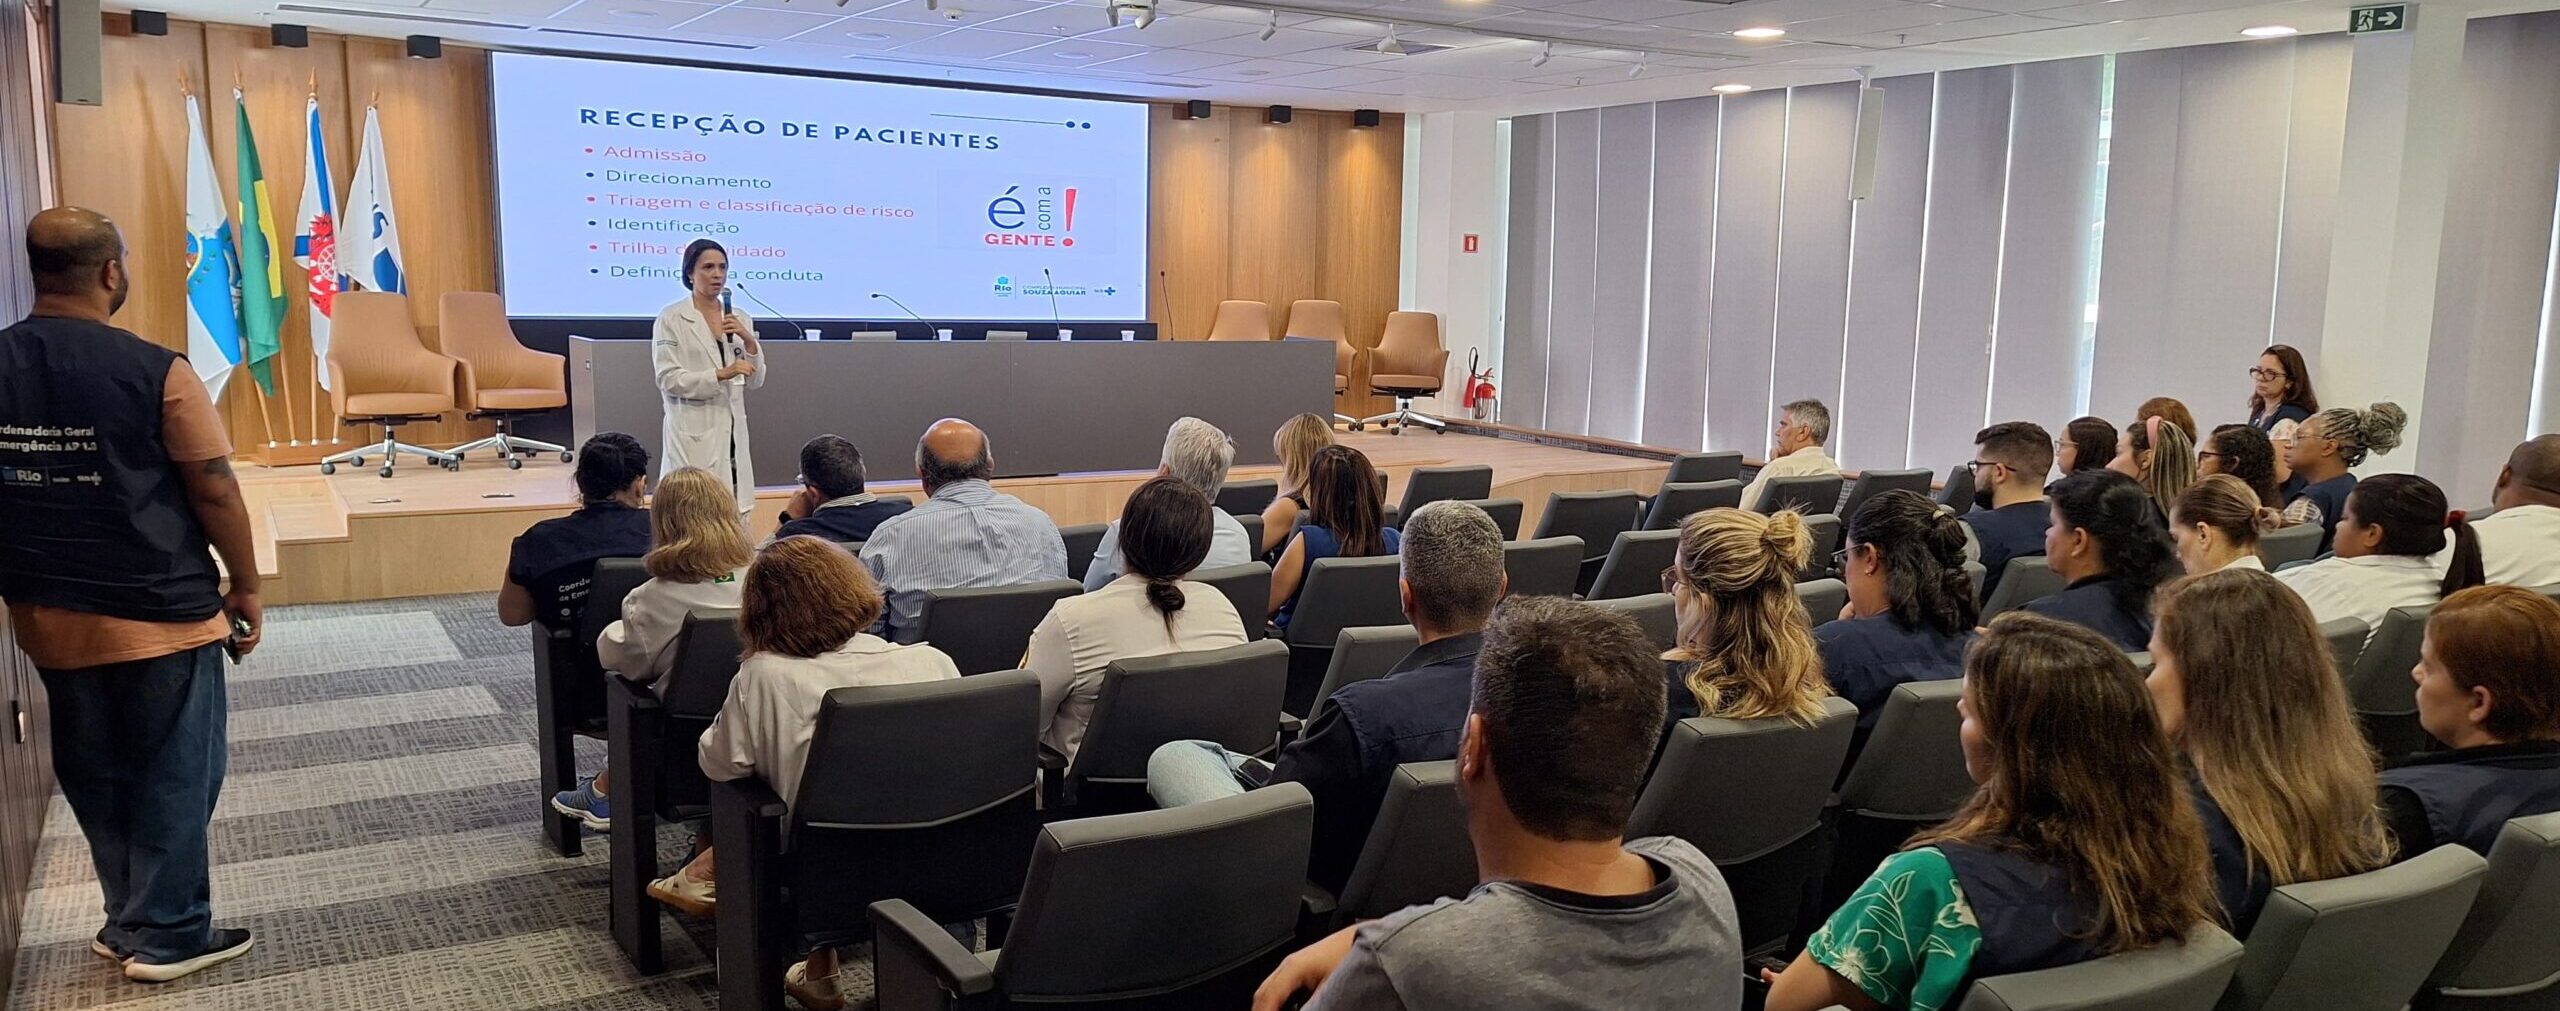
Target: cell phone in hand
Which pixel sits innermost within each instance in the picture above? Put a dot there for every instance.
(240, 629)
(1254, 772)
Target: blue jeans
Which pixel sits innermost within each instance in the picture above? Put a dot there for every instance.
(1183, 773)
(139, 749)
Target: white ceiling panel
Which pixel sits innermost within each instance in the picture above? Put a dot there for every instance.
(1629, 10)
(1072, 53)
(642, 16)
(1254, 70)
(954, 14)
(1166, 33)
(1166, 61)
(744, 22)
(1285, 42)
(848, 31)
(1354, 78)
(973, 43)
(530, 10)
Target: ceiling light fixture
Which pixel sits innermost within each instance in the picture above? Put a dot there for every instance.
(2269, 31)
(933, 5)
(1639, 67)
(868, 36)
(1389, 45)
(1730, 89)
(1759, 33)
(1078, 55)
(1271, 27)
(1546, 51)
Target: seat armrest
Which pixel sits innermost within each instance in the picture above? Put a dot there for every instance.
(1050, 759)
(467, 384)
(1291, 727)
(915, 964)
(749, 798)
(755, 932)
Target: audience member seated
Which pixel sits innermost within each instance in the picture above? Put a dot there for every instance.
(2109, 554)
(1746, 650)
(2169, 409)
(1452, 577)
(1197, 454)
(831, 502)
(2488, 688)
(2217, 523)
(1344, 519)
(2280, 397)
(2320, 453)
(1149, 610)
(1911, 608)
(2391, 553)
(2520, 543)
(1569, 914)
(697, 553)
(2079, 843)
(2246, 454)
(2009, 516)
(1296, 443)
(2279, 772)
(801, 621)
(965, 534)
(1796, 451)
(2158, 454)
(550, 564)
(2086, 444)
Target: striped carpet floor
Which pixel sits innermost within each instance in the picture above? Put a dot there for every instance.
(377, 832)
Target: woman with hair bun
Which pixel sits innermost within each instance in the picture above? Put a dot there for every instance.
(1149, 611)
(2105, 545)
(2245, 453)
(1911, 608)
(2216, 526)
(2391, 533)
(2320, 454)
(1746, 648)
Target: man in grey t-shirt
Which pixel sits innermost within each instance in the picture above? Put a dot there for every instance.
(1567, 703)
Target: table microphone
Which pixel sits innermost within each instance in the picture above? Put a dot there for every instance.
(1052, 284)
(893, 300)
(796, 326)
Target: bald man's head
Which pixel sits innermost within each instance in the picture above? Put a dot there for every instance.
(2532, 475)
(953, 450)
(69, 253)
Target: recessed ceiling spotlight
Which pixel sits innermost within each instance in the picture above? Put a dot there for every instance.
(1253, 73)
(2270, 31)
(1546, 51)
(632, 13)
(1271, 27)
(1730, 89)
(1639, 67)
(1759, 33)
(1073, 55)
(867, 36)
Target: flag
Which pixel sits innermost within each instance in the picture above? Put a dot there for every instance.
(369, 253)
(315, 241)
(261, 273)
(213, 276)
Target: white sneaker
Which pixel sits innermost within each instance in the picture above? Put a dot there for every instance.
(688, 894)
(816, 995)
(228, 944)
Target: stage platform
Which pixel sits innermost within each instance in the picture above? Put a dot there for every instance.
(358, 536)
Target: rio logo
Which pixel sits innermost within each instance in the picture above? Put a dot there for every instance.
(1044, 216)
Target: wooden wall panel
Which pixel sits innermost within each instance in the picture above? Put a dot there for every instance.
(127, 159)
(1363, 236)
(1278, 220)
(1190, 177)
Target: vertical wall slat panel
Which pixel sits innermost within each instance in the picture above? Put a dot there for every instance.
(1569, 313)
(1523, 384)
(1960, 260)
(1752, 159)
(2496, 255)
(2312, 157)
(1684, 186)
(1618, 309)
(1871, 421)
(2053, 148)
(1813, 247)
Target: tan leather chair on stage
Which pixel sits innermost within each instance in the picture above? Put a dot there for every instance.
(1322, 320)
(502, 379)
(1241, 320)
(1408, 362)
(381, 374)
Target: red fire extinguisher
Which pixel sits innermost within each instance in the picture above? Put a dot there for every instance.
(1479, 395)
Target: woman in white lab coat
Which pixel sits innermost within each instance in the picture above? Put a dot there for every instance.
(706, 360)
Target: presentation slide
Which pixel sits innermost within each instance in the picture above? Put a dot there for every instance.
(965, 205)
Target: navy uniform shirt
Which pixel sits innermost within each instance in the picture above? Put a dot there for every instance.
(848, 519)
(556, 558)
(2011, 531)
(2467, 795)
(2094, 602)
(1414, 714)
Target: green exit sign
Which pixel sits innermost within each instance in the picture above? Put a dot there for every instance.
(2383, 18)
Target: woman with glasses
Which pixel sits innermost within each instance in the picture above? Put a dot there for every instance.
(2280, 397)
(2246, 454)
(2320, 453)
(1746, 647)
(1911, 608)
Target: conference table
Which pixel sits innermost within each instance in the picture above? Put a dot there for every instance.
(1049, 407)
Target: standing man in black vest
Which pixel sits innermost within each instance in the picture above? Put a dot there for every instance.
(115, 478)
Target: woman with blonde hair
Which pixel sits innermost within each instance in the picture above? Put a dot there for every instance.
(2280, 775)
(1297, 443)
(803, 612)
(2216, 525)
(2080, 843)
(1746, 651)
(1911, 608)
(697, 551)
(2160, 454)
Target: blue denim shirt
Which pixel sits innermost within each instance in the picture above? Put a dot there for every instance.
(968, 534)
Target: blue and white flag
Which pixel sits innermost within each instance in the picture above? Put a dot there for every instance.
(369, 239)
(315, 239)
(213, 267)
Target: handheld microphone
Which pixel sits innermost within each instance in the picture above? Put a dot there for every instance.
(902, 307)
(1052, 285)
(796, 326)
(724, 300)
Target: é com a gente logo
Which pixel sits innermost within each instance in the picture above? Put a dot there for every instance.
(1037, 216)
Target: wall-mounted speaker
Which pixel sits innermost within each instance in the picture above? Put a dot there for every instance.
(1280, 113)
(151, 22)
(1364, 117)
(284, 36)
(1197, 108)
(1862, 169)
(426, 47)
(77, 74)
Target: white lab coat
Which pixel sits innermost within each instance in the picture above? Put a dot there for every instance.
(706, 419)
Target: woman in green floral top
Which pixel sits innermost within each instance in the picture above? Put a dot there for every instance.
(2079, 842)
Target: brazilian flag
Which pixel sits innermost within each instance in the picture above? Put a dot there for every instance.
(261, 269)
